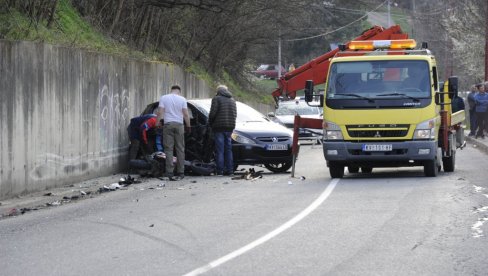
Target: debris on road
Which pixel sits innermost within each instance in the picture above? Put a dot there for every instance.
(13, 212)
(67, 194)
(251, 174)
(114, 186)
(126, 181)
(152, 225)
(54, 203)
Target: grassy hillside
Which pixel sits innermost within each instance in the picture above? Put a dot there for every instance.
(71, 30)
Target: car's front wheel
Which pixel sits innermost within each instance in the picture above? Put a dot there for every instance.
(278, 167)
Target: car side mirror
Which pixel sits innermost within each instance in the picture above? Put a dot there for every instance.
(453, 87)
(308, 91)
(271, 115)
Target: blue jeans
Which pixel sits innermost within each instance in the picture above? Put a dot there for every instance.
(223, 152)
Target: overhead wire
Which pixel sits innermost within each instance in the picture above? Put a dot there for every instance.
(338, 29)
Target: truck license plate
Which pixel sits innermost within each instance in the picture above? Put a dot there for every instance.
(276, 147)
(377, 147)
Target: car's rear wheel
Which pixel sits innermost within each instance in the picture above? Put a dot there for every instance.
(278, 167)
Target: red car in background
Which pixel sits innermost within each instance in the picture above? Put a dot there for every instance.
(269, 71)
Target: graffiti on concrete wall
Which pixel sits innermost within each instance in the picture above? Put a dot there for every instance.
(114, 113)
(114, 107)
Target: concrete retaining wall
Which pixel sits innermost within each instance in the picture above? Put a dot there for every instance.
(64, 112)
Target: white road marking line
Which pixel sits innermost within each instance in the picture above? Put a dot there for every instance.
(325, 194)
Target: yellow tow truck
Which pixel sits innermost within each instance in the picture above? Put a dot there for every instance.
(384, 106)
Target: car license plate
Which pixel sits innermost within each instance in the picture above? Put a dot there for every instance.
(277, 147)
(377, 147)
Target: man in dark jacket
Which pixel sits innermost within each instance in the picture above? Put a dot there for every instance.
(222, 120)
(472, 112)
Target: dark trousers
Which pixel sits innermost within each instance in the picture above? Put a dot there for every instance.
(472, 122)
(481, 125)
(136, 145)
(133, 149)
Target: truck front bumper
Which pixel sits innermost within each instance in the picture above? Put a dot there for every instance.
(403, 153)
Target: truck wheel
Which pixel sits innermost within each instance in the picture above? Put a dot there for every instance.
(449, 163)
(353, 169)
(366, 169)
(336, 170)
(431, 168)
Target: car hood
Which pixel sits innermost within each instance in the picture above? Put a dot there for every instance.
(263, 129)
(290, 119)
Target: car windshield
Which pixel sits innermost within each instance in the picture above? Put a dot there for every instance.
(245, 113)
(300, 108)
(379, 80)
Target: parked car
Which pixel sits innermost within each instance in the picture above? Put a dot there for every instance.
(268, 71)
(256, 140)
(286, 111)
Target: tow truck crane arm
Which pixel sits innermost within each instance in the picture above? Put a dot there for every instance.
(317, 68)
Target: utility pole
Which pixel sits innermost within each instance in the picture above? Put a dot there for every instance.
(486, 42)
(413, 18)
(279, 53)
(389, 14)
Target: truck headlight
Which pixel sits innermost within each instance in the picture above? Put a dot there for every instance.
(332, 131)
(241, 139)
(425, 130)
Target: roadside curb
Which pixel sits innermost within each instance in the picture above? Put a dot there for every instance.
(477, 144)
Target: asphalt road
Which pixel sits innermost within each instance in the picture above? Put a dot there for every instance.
(391, 222)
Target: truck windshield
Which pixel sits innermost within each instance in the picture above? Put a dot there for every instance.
(389, 79)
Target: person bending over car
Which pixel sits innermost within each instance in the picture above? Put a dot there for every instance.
(137, 130)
